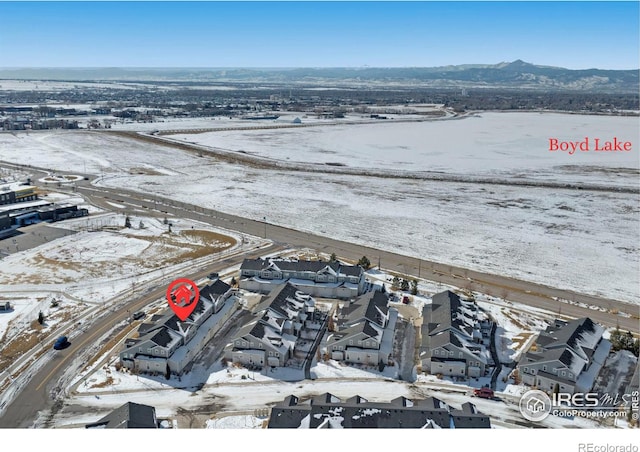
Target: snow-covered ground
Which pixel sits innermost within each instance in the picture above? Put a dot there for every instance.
(230, 394)
(585, 241)
(117, 257)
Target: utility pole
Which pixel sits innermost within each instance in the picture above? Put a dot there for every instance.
(265, 226)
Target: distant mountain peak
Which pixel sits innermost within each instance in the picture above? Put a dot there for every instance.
(518, 64)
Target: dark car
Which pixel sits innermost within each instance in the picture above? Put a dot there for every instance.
(61, 343)
(138, 315)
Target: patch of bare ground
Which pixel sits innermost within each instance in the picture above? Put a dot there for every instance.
(108, 382)
(513, 319)
(21, 344)
(144, 171)
(193, 244)
(520, 340)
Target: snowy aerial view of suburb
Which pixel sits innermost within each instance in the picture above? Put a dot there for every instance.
(367, 216)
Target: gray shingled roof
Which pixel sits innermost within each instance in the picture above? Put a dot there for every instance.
(254, 264)
(369, 306)
(161, 337)
(305, 266)
(351, 270)
(129, 415)
(469, 417)
(357, 412)
(443, 313)
(277, 298)
(569, 333)
(215, 289)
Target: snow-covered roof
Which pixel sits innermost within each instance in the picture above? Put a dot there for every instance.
(328, 411)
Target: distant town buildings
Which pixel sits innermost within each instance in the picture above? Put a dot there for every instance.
(317, 278)
(328, 411)
(565, 357)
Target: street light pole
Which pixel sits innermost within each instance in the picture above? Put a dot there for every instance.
(265, 226)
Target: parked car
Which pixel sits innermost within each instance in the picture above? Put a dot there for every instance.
(484, 393)
(138, 315)
(61, 343)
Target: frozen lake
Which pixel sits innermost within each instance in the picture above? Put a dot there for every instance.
(495, 144)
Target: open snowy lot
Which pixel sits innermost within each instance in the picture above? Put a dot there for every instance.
(122, 259)
(582, 240)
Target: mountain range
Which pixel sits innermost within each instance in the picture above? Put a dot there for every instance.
(517, 75)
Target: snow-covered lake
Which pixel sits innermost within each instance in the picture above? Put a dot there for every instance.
(505, 144)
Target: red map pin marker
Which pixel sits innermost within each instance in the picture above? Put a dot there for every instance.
(183, 295)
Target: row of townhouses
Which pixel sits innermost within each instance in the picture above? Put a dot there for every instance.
(286, 325)
(166, 343)
(316, 278)
(455, 337)
(365, 331)
(328, 411)
(565, 357)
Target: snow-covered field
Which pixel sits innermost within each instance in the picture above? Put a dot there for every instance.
(586, 241)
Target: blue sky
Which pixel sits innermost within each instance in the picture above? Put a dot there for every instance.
(317, 34)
